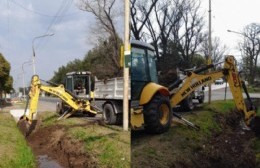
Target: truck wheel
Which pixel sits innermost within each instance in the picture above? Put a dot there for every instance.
(201, 99)
(109, 114)
(60, 108)
(157, 114)
(187, 104)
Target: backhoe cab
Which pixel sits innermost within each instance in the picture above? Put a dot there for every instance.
(80, 84)
(151, 103)
(150, 106)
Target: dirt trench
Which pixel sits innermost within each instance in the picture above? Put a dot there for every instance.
(53, 143)
(230, 147)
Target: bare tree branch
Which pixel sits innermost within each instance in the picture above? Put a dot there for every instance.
(105, 15)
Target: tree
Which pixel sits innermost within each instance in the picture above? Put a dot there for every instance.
(97, 61)
(105, 13)
(167, 15)
(218, 50)
(6, 81)
(250, 48)
(75, 65)
(174, 26)
(140, 12)
(192, 36)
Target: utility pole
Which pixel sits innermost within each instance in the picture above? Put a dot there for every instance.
(127, 53)
(23, 76)
(210, 48)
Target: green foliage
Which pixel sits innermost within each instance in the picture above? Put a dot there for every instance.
(198, 60)
(14, 150)
(98, 61)
(221, 106)
(75, 65)
(6, 81)
(108, 146)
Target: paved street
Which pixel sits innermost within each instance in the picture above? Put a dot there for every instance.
(218, 93)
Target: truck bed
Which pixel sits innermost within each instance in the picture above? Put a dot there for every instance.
(110, 89)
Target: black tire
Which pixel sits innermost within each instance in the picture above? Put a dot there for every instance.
(157, 114)
(109, 114)
(58, 108)
(187, 104)
(63, 107)
(201, 99)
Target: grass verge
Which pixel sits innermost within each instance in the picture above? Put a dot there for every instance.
(14, 150)
(180, 146)
(109, 145)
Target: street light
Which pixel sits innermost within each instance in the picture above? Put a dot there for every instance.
(23, 75)
(231, 31)
(34, 50)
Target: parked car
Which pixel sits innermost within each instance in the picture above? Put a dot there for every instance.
(219, 81)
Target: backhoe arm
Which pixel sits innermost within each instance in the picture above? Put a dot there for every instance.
(58, 91)
(190, 84)
(194, 80)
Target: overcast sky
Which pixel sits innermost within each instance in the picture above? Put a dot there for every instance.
(233, 15)
(23, 20)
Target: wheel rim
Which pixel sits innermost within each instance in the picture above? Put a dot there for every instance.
(164, 114)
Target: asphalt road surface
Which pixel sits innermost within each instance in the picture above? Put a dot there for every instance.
(219, 93)
(47, 104)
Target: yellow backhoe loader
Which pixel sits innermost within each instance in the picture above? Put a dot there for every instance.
(72, 101)
(151, 103)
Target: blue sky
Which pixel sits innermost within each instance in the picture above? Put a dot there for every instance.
(23, 20)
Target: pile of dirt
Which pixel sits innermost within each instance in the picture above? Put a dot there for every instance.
(230, 147)
(53, 142)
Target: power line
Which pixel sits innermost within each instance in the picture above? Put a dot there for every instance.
(38, 13)
(65, 5)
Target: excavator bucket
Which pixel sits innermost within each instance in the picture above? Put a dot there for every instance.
(25, 126)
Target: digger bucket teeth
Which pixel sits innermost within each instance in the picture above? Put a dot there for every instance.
(25, 126)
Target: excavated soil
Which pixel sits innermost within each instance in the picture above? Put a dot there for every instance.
(53, 143)
(232, 147)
